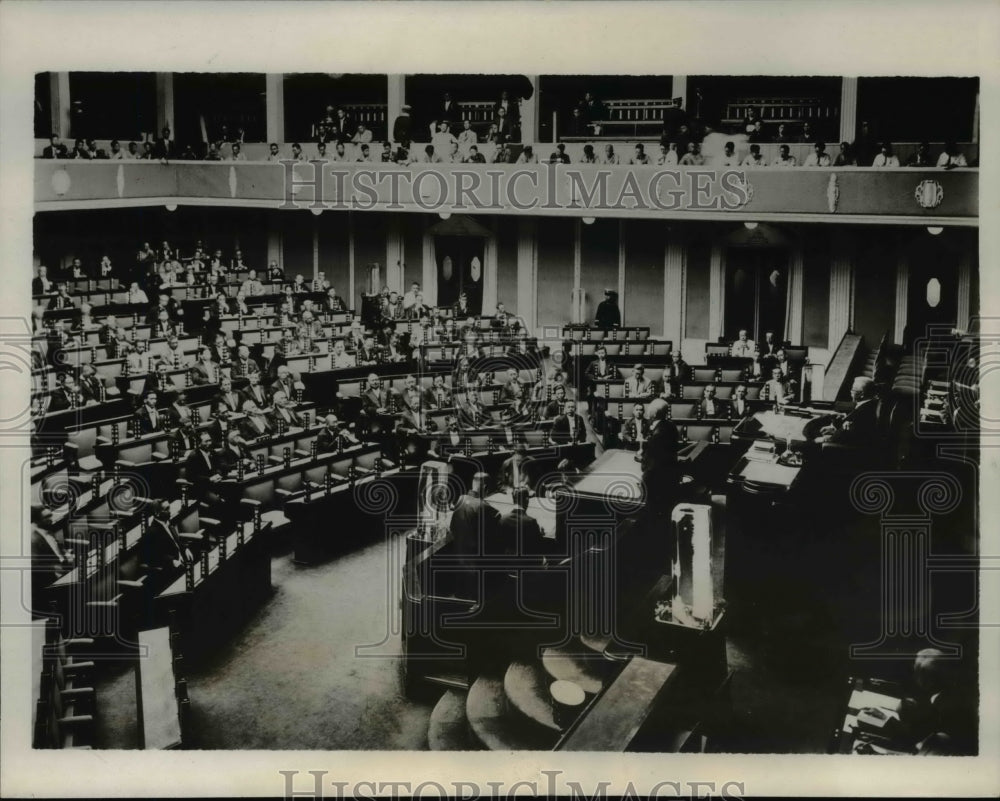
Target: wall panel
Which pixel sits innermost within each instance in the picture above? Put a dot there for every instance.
(555, 270)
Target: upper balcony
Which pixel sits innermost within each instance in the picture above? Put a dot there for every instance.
(932, 197)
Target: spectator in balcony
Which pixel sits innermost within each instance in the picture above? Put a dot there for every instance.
(806, 135)
(951, 157)
(340, 152)
(41, 284)
(608, 315)
(528, 156)
(364, 154)
(467, 137)
(506, 126)
(819, 157)
(213, 153)
(508, 105)
(62, 300)
(95, 151)
(326, 128)
(252, 287)
(133, 151)
(116, 154)
(754, 157)
(756, 132)
(474, 156)
(430, 156)
(137, 295)
(592, 110)
(236, 152)
(588, 157)
(443, 139)
(728, 157)
(503, 154)
(362, 136)
(610, 157)
(55, 149)
(785, 158)
(493, 134)
(147, 152)
(577, 125)
(922, 158)
(321, 151)
(402, 126)
(402, 154)
(782, 135)
(452, 156)
(561, 156)
(885, 157)
(743, 347)
(166, 147)
(639, 156)
(667, 156)
(273, 154)
(297, 154)
(865, 146)
(845, 158)
(693, 157)
(79, 150)
(344, 126)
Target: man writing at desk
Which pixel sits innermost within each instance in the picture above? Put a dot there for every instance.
(859, 427)
(514, 470)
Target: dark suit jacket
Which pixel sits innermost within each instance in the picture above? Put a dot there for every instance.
(474, 528)
(146, 424)
(90, 388)
(38, 289)
(228, 459)
(160, 547)
(200, 373)
(197, 470)
(59, 153)
(860, 427)
(506, 475)
(59, 302)
(293, 419)
(328, 441)
(660, 472)
(226, 403)
(257, 394)
(520, 534)
(560, 430)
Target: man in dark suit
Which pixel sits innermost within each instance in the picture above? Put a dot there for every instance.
(202, 469)
(334, 436)
(568, 428)
(41, 284)
(660, 472)
(515, 471)
(255, 423)
(474, 531)
(205, 371)
(62, 300)
(148, 416)
(437, 396)
(234, 452)
(165, 147)
(55, 149)
(283, 416)
(520, 533)
(375, 398)
(255, 392)
(67, 396)
(859, 427)
(243, 365)
(227, 402)
(636, 429)
(91, 386)
(163, 550)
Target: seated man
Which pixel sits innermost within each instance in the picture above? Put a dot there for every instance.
(203, 468)
(92, 386)
(255, 392)
(859, 427)
(163, 328)
(255, 423)
(234, 453)
(554, 407)
(287, 382)
(368, 354)
(205, 371)
(437, 395)
(637, 385)
(515, 470)
(340, 359)
(243, 365)
(178, 412)
(227, 402)
(471, 413)
(252, 287)
(636, 429)
(62, 300)
(334, 436)
(283, 414)
(568, 428)
(148, 416)
(174, 354)
(776, 389)
(411, 401)
(740, 405)
(708, 406)
(309, 327)
(375, 398)
(743, 347)
(137, 360)
(163, 550)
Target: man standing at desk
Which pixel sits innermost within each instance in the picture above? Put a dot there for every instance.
(568, 428)
(474, 530)
(608, 314)
(860, 426)
(660, 473)
(163, 552)
(514, 470)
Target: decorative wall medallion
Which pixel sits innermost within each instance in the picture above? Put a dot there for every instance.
(120, 180)
(833, 193)
(232, 181)
(475, 269)
(929, 194)
(61, 182)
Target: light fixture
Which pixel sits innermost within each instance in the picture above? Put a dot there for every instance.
(317, 210)
(171, 207)
(61, 182)
(749, 225)
(588, 220)
(934, 230)
(444, 215)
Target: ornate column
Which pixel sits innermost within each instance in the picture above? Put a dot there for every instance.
(527, 267)
(716, 287)
(490, 268)
(394, 254)
(274, 102)
(841, 291)
(793, 325)
(678, 88)
(674, 290)
(529, 113)
(429, 272)
(396, 99)
(621, 270)
(848, 109)
(59, 102)
(902, 296)
(965, 310)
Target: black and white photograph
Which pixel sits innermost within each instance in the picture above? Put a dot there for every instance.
(501, 411)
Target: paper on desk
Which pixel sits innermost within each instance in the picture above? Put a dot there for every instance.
(866, 698)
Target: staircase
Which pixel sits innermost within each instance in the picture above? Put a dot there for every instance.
(510, 709)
